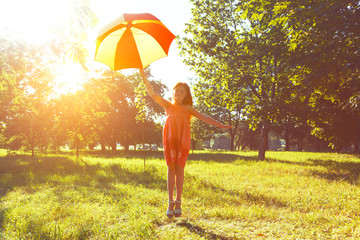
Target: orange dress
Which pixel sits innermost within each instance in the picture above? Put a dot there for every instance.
(176, 135)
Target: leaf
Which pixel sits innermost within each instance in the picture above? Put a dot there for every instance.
(244, 14)
(292, 46)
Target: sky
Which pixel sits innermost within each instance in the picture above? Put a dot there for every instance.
(34, 18)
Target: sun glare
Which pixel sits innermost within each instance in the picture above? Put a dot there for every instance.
(37, 21)
(69, 78)
(33, 20)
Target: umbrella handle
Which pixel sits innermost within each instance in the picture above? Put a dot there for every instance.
(146, 82)
(142, 73)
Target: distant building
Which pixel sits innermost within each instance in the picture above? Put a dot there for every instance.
(220, 141)
(223, 142)
(275, 143)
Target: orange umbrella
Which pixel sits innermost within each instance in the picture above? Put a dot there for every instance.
(132, 41)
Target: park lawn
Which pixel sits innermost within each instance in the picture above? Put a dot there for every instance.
(227, 195)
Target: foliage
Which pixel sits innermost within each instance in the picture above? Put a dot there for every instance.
(103, 112)
(341, 130)
(71, 35)
(326, 48)
(72, 118)
(26, 86)
(12, 61)
(108, 110)
(240, 47)
(208, 101)
(271, 58)
(289, 67)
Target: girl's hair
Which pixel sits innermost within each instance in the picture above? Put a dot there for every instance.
(188, 98)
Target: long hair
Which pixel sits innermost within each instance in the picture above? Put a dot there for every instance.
(188, 98)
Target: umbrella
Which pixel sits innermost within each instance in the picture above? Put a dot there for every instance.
(132, 41)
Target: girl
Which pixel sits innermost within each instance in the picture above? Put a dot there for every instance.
(176, 137)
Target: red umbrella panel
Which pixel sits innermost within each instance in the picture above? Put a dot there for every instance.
(133, 41)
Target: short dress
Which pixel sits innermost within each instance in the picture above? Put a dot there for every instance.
(176, 135)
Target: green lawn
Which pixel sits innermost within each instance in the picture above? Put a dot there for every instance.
(227, 195)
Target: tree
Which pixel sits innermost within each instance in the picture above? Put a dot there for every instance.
(277, 55)
(72, 117)
(335, 123)
(12, 62)
(209, 101)
(113, 102)
(25, 90)
(241, 47)
(326, 39)
(22, 109)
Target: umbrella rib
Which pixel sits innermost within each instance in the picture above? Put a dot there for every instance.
(107, 33)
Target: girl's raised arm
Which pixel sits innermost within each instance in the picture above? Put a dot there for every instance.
(207, 119)
(163, 102)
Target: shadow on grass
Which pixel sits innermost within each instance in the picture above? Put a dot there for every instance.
(24, 170)
(273, 160)
(139, 154)
(338, 171)
(201, 231)
(64, 174)
(2, 217)
(221, 157)
(240, 197)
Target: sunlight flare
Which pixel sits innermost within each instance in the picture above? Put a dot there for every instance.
(33, 19)
(69, 78)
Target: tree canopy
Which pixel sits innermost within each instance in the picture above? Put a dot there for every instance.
(289, 68)
(273, 59)
(104, 111)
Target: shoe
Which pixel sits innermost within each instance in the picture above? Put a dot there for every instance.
(169, 212)
(177, 211)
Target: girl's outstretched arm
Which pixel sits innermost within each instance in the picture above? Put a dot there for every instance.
(163, 102)
(207, 119)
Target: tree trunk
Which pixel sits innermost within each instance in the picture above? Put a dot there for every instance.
(287, 140)
(263, 142)
(232, 141)
(126, 147)
(113, 146)
(102, 143)
(193, 144)
(237, 146)
(77, 145)
(300, 147)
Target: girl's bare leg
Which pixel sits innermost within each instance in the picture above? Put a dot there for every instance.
(171, 184)
(179, 172)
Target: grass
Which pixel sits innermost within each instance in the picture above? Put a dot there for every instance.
(227, 195)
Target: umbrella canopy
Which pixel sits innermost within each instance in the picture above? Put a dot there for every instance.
(132, 41)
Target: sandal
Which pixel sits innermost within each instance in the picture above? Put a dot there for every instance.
(169, 212)
(177, 211)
